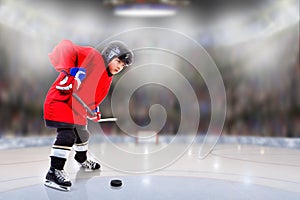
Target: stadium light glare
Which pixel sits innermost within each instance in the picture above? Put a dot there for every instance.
(145, 10)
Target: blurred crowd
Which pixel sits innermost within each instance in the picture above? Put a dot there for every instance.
(261, 102)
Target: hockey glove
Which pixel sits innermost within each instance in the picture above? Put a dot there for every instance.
(97, 115)
(72, 80)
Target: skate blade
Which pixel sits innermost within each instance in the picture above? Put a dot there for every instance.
(56, 186)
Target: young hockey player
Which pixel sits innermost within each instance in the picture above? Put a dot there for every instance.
(88, 72)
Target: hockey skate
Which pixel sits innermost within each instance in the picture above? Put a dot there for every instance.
(58, 179)
(90, 165)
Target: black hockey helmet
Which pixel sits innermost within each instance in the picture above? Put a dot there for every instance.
(117, 49)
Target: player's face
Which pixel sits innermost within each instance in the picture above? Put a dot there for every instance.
(115, 66)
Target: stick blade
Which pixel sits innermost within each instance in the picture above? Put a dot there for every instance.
(108, 120)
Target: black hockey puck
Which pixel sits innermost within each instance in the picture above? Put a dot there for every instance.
(116, 183)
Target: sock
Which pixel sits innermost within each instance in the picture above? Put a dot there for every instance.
(80, 156)
(57, 163)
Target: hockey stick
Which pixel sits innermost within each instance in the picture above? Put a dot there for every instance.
(83, 104)
(90, 111)
(108, 120)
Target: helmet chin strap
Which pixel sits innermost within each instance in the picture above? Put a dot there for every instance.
(108, 72)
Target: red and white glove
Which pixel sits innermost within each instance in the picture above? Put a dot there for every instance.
(72, 80)
(66, 84)
(97, 115)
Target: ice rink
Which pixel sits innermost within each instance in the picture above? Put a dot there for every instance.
(214, 85)
(230, 171)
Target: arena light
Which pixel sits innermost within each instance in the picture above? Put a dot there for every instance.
(145, 10)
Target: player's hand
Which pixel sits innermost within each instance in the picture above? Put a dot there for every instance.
(97, 115)
(72, 81)
(66, 84)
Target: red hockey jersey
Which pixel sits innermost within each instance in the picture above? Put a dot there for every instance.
(59, 107)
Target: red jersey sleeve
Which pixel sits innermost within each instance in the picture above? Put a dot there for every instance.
(63, 56)
(95, 87)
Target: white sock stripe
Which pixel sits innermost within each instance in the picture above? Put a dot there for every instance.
(61, 153)
(81, 147)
